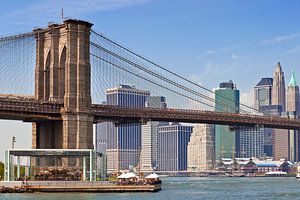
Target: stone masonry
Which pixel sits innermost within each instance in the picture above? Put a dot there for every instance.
(62, 75)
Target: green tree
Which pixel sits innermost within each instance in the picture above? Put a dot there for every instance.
(1, 170)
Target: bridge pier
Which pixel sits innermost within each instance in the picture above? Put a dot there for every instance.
(62, 75)
(77, 131)
(47, 135)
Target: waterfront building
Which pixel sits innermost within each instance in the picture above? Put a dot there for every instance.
(201, 148)
(251, 142)
(227, 99)
(122, 143)
(172, 147)
(148, 158)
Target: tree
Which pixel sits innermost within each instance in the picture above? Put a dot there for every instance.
(1, 170)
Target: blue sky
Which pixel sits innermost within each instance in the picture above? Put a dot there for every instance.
(207, 41)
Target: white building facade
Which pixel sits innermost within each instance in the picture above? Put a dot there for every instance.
(201, 148)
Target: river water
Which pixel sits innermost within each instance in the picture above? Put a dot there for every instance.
(189, 188)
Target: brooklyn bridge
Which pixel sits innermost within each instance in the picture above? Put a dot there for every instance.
(56, 78)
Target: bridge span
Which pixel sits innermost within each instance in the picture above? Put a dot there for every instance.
(32, 110)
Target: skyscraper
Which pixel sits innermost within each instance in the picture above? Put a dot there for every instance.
(293, 97)
(263, 103)
(251, 142)
(293, 111)
(280, 144)
(172, 147)
(278, 89)
(201, 148)
(279, 136)
(263, 93)
(227, 99)
(148, 158)
(123, 142)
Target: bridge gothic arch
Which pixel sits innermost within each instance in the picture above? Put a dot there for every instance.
(62, 75)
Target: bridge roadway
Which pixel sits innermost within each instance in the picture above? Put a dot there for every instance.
(30, 110)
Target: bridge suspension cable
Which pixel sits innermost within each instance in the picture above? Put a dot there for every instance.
(17, 62)
(176, 92)
(107, 47)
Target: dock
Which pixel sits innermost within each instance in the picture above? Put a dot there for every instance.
(77, 186)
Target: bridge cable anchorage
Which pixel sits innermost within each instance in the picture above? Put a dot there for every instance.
(153, 73)
(169, 71)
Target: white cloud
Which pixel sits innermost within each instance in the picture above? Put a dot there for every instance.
(209, 52)
(292, 51)
(279, 39)
(235, 57)
(222, 49)
(233, 47)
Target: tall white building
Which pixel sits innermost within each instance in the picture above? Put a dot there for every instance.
(201, 148)
(148, 157)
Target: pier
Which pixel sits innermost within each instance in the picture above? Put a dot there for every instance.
(74, 186)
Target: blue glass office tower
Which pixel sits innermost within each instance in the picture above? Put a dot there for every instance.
(172, 147)
(122, 143)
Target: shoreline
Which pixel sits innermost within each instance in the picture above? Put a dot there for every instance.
(73, 186)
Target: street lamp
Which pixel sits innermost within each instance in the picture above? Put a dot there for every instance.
(13, 142)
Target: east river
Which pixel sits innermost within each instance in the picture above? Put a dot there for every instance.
(189, 188)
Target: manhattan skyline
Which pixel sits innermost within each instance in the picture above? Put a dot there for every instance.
(209, 42)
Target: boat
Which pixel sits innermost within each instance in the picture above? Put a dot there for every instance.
(276, 173)
(298, 172)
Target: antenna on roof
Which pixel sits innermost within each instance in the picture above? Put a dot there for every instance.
(62, 13)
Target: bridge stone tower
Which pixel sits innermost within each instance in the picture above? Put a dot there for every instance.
(62, 75)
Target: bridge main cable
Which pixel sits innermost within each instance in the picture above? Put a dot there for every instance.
(157, 76)
(139, 76)
(169, 71)
(18, 36)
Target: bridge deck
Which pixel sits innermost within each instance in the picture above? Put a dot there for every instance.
(29, 109)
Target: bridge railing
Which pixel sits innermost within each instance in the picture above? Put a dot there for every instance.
(193, 115)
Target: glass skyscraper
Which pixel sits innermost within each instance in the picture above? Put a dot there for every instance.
(263, 103)
(172, 147)
(263, 93)
(227, 99)
(122, 143)
(251, 142)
